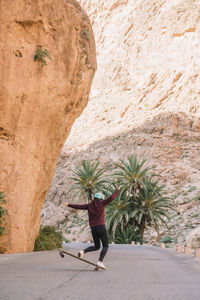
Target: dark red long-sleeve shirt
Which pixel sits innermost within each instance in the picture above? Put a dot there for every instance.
(96, 209)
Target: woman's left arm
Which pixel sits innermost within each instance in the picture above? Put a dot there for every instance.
(111, 198)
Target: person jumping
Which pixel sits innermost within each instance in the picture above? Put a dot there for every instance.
(96, 213)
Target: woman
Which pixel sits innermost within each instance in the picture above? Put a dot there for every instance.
(96, 213)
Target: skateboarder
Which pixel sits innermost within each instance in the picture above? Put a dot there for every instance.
(96, 213)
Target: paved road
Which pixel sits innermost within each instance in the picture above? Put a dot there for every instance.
(133, 272)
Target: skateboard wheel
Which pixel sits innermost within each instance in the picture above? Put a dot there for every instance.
(61, 254)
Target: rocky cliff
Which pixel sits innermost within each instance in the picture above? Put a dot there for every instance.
(148, 63)
(47, 62)
(145, 99)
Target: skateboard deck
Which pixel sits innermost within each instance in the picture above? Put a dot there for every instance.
(62, 252)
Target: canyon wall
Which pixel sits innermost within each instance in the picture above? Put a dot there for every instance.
(148, 63)
(145, 100)
(40, 97)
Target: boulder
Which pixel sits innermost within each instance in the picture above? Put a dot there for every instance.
(47, 62)
(193, 239)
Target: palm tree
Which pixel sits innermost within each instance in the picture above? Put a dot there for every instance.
(132, 174)
(151, 206)
(128, 235)
(88, 179)
(142, 201)
(117, 212)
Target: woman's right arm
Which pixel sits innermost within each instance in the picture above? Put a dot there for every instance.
(76, 206)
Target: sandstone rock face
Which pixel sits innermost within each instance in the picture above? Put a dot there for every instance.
(193, 239)
(145, 99)
(38, 104)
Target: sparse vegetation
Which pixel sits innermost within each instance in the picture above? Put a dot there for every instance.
(195, 216)
(141, 203)
(166, 239)
(192, 188)
(86, 34)
(197, 197)
(190, 225)
(185, 193)
(175, 196)
(41, 55)
(3, 212)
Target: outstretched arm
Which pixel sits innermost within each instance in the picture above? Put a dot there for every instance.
(111, 198)
(77, 206)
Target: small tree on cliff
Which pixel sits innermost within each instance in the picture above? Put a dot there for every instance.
(3, 212)
(88, 179)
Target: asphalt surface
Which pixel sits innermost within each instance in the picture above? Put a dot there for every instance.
(133, 272)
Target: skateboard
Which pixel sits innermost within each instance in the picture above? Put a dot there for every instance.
(62, 252)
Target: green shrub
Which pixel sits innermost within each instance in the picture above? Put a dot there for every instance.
(41, 55)
(166, 239)
(196, 198)
(185, 193)
(3, 212)
(195, 216)
(127, 235)
(48, 239)
(192, 188)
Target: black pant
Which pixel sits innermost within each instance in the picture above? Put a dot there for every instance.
(99, 233)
